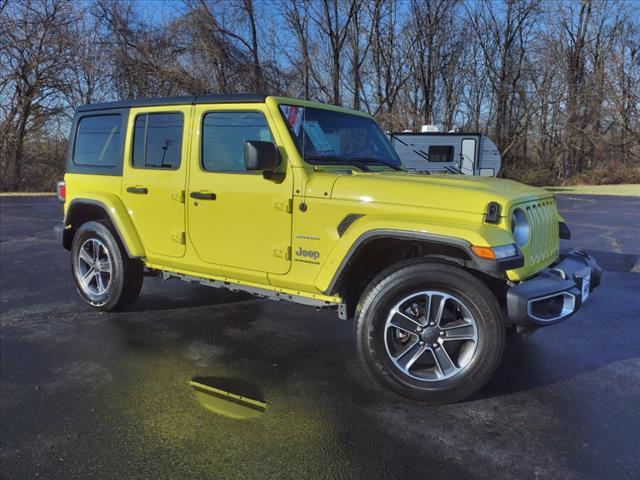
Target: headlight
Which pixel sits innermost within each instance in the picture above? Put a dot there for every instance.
(505, 251)
(520, 227)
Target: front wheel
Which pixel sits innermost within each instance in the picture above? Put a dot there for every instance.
(104, 275)
(429, 331)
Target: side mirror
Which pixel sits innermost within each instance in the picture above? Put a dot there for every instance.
(260, 156)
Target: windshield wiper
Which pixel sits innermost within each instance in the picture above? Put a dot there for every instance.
(375, 160)
(334, 159)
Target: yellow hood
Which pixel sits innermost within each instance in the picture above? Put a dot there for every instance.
(447, 192)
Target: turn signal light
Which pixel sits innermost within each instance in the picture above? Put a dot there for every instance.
(495, 253)
(484, 252)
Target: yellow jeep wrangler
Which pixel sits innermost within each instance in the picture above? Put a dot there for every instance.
(300, 201)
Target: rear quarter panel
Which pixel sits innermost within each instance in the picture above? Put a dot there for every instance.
(104, 190)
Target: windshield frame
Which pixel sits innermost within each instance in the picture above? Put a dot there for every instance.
(338, 162)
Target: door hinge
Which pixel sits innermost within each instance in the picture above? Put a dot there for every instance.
(286, 206)
(179, 237)
(282, 252)
(178, 197)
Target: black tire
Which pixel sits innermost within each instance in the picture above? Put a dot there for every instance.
(124, 282)
(402, 281)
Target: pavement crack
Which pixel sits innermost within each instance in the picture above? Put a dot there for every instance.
(608, 236)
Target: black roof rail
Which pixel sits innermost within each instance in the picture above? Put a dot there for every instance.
(180, 100)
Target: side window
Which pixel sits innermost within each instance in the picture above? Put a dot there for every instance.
(440, 154)
(98, 141)
(157, 140)
(223, 137)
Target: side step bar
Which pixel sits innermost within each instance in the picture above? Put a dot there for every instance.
(256, 291)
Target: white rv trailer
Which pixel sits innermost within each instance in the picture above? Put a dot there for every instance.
(455, 152)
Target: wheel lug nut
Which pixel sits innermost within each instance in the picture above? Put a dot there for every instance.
(432, 324)
(419, 329)
(421, 343)
(435, 345)
(443, 334)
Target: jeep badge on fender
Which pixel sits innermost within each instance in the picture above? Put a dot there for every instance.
(312, 254)
(432, 268)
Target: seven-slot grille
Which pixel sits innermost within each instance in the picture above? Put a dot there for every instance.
(544, 239)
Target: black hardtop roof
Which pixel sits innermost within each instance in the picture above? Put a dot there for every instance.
(181, 100)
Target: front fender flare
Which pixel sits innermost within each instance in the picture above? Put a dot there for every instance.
(451, 233)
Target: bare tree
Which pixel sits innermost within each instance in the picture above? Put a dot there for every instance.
(556, 84)
(575, 77)
(334, 26)
(359, 43)
(429, 29)
(297, 18)
(389, 62)
(86, 78)
(503, 41)
(36, 51)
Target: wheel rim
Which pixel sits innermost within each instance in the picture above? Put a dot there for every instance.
(430, 336)
(94, 267)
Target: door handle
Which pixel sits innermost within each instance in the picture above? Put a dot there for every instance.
(203, 196)
(138, 190)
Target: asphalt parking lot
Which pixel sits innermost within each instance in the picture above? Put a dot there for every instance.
(91, 395)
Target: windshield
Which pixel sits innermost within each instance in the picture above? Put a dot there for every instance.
(325, 137)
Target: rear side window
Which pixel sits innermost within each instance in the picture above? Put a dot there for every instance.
(440, 154)
(157, 140)
(98, 141)
(223, 137)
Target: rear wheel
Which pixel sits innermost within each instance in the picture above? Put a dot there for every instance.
(429, 331)
(104, 275)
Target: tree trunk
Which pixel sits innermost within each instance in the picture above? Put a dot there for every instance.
(357, 80)
(19, 144)
(257, 72)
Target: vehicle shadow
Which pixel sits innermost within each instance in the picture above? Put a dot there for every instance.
(259, 341)
(172, 294)
(545, 358)
(311, 344)
(557, 354)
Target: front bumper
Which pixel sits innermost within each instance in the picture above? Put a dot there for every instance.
(555, 293)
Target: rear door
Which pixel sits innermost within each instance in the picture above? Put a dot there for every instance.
(154, 176)
(237, 218)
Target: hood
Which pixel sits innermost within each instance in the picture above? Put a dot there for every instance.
(462, 193)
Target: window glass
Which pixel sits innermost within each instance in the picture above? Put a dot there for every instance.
(98, 141)
(139, 130)
(157, 140)
(223, 137)
(328, 137)
(440, 154)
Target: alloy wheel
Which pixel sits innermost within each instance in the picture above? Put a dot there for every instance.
(430, 336)
(94, 267)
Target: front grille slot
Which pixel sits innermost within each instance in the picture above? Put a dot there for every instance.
(544, 239)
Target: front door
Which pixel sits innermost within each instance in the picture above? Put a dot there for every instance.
(237, 218)
(154, 176)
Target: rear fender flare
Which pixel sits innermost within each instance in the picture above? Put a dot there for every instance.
(117, 214)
